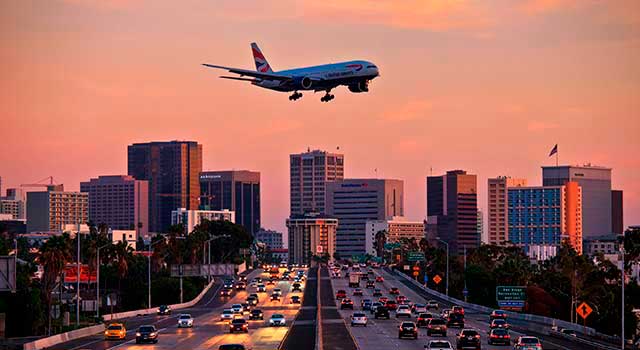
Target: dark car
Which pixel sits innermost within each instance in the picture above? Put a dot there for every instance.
(256, 314)
(497, 314)
(437, 326)
(231, 347)
(371, 284)
(239, 324)
(243, 278)
(394, 290)
(499, 323)
(225, 292)
(296, 287)
(295, 299)
(377, 293)
(455, 320)
(408, 329)
(241, 286)
(423, 319)
(468, 339)
(382, 312)
(164, 310)
(346, 304)
(147, 334)
(366, 305)
(275, 297)
(499, 336)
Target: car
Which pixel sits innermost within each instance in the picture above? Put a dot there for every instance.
(468, 339)
(423, 319)
(457, 310)
(242, 278)
(241, 286)
(391, 305)
(254, 295)
(231, 347)
(346, 303)
(527, 343)
(295, 299)
(239, 324)
(381, 312)
(227, 314)
(418, 308)
(358, 318)
(277, 291)
(408, 329)
(437, 326)
(403, 311)
(237, 309)
(115, 331)
(147, 334)
(374, 306)
(499, 336)
(394, 290)
(455, 320)
(499, 323)
(400, 299)
(383, 300)
(275, 297)
(270, 281)
(225, 292)
(228, 283)
(365, 305)
(185, 320)
(256, 314)
(296, 287)
(277, 320)
(371, 284)
(438, 345)
(246, 306)
(497, 314)
(357, 291)
(432, 304)
(252, 301)
(379, 279)
(341, 294)
(377, 293)
(445, 313)
(164, 310)
(570, 332)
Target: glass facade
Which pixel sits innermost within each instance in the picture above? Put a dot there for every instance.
(535, 216)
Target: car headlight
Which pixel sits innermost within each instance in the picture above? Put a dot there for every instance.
(106, 332)
(137, 334)
(153, 334)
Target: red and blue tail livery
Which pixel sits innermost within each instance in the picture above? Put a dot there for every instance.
(356, 75)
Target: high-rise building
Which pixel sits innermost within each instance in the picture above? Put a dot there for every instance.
(354, 202)
(596, 193)
(309, 174)
(14, 204)
(172, 169)
(452, 202)
(235, 190)
(541, 217)
(480, 226)
(617, 217)
(311, 234)
(273, 239)
(119, 201)
(497, 218)
(192, 218)
(397, 227)
(51, 211)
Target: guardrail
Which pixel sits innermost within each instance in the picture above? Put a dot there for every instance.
(593, 344)
(87, 331)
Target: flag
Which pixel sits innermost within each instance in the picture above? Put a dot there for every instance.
(554, 150)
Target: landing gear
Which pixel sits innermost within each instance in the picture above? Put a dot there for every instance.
(296, 95)
(328, 97)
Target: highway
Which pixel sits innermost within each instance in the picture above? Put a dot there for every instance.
(383, 334)
(208, 331)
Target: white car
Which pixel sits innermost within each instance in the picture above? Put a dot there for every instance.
(419, 308)
(438, 345)
(227, 314)
(432, 304)
(403, 310)
(277, 320)
(261, 288)
(359, 319)
(237, 308)
(185, 320)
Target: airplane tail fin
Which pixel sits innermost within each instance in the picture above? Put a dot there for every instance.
(261, 63)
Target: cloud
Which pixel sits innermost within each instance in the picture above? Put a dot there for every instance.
(411, 110)
(536, 125)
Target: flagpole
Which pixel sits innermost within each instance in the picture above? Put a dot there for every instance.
(556, 158)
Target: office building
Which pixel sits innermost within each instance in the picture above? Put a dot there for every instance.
(498, 228)
(354, 202)
(50, 211)
(234, 190)
(311, 234)
(309, 174)
(273, 239)
(192, 218)
(544, 216)
(172, 169)
(452, 202)
(480, 227)
(596, 193)
(397, 228)
(128, 236)
(606, 244)
(119, 201)
(14, 203)
(617, 210)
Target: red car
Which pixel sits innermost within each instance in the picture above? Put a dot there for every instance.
(346, 304)
(391, 305)
(394, 290)
(498, 314)
(383, 300)
(458, 310)
(400, 299)
(341, 294)
(379, 279)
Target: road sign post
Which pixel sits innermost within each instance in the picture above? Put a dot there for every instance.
(584, 310)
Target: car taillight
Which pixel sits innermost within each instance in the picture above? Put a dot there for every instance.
(478, 336)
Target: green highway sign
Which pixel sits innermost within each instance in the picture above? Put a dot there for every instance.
(415, 256)
(391, 246)
(511, 296)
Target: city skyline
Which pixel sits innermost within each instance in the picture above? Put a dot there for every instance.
(568, 76)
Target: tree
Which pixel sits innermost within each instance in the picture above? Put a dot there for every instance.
(381, 240)
(121, 254)
(54, 255)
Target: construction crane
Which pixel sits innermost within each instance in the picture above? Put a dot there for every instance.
(40, 184)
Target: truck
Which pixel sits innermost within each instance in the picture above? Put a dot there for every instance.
(354, 280)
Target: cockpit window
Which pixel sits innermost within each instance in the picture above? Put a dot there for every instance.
(371, 66)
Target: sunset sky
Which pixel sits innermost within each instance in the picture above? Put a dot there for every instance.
(485, 86)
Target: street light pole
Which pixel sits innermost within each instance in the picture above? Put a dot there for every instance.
(447, 280)
(98, 281)
(78, 280)
(622, 307)
(149, 269)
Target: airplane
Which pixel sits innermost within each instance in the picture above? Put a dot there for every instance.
(356, 75)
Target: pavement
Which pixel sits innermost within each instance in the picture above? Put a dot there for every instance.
(208, 332)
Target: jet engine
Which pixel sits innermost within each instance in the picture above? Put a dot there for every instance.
(303, 83)
(362, 86)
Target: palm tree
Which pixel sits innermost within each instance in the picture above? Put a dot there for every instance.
(54, 255)
(121, 254)
(381, 239)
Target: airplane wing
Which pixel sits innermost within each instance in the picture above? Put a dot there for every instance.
(252, 73)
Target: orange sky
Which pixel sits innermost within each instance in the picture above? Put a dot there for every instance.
(486, 86)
